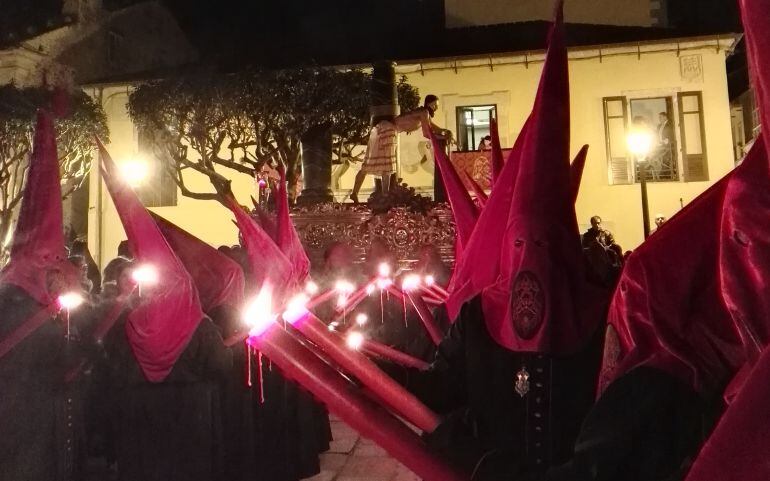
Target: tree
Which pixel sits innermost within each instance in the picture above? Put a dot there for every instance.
(217, 124)
(75, 133)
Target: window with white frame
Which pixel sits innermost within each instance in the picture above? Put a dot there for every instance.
(658, 139)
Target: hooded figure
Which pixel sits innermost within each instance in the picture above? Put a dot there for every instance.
(521, 360)
(688, 325)
(166, 358)
(39, 442)
(290, 427)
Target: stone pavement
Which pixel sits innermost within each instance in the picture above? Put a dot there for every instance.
(353, 458)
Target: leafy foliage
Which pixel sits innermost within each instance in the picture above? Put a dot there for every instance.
(214, 124)
(75, 133)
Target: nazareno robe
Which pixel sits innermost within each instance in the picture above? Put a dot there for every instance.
(41, 417)
(491, 427)
(171, 430)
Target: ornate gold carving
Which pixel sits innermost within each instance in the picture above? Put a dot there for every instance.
(404, 231)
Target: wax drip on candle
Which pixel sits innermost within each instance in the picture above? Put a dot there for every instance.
(260, 378)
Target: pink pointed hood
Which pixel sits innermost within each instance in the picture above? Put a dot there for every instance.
(576, 172)
(37, 247)
(269, 265)
(287, 238)
(161, 326)
(479, 264)
(536, 303)
(218, 278)
(464, 211)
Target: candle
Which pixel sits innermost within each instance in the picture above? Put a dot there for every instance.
(401, 401)
(386, 352)
(426, 317)
(350, 405)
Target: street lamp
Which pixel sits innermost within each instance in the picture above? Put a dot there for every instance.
(134, 171)
(640, 142)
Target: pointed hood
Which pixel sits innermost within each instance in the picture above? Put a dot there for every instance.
(479, 265)
(677, 319)
(481, 196)
(37, 246)
(497, 151)
(287, 238)
(218, 278)
(576, 172)
(160, 327)
(268, 264)
(535, 305)
(464, 211)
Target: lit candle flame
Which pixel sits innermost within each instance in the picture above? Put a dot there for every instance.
(384, 269)
(145, 275)
(362, 319)
(296, 309)
(384, 283)
(311, 288)
(355, 340)
(344, 287)
(411, 282)
(70, 300)
(369, 289)
(430, 280)
(258, 314)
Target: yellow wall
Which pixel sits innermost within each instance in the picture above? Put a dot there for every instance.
(510, 85)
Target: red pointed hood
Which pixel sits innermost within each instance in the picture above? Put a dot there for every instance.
(287, 238)
(535, 305)
(268, 264)
(160, 327)
(464, 211)
(676, 319)
(218, 278)
(479, 264)
(38, 239)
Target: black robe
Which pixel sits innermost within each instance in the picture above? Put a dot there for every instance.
(41, 417)
(275, 440)
(169, 431)
(647, 426)
(473, 381)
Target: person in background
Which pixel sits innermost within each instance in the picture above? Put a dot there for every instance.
(486, 143)
(660, 219)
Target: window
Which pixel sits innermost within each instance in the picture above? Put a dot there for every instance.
(473, 125)
(159, 188)
(666, 147)
(114, 46)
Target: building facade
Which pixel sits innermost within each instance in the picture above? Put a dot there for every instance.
(613, 89)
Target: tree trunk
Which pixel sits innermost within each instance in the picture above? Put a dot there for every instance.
(317, 166)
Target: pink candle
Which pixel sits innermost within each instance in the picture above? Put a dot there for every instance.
(352, 407)
(394, 355)
(426, 317)
(401, 401)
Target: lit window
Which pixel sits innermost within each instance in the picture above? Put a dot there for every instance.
(473, 125)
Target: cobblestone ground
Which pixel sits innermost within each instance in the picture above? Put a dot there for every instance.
(352, 458)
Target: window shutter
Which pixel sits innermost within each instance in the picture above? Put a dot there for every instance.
(615, 127)
(692, 131)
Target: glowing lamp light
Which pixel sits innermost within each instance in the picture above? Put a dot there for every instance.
(429, 280)
(311, 288)
(411, 282)
(258, 314)
(145, 275)
(355, 340)
(134, 172)
(70, 300)
(362, 319)
(296, 309)
(640, 143)
(384, 269)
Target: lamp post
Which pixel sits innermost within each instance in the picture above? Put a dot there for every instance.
(640, 142)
